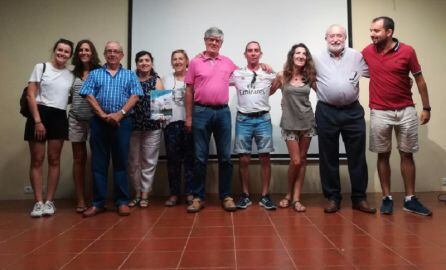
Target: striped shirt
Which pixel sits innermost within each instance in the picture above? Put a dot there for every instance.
(111, 92)
(80, 108)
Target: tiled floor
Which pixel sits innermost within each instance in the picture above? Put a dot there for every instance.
(169, 238)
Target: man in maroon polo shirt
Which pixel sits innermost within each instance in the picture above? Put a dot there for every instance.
(392, 107)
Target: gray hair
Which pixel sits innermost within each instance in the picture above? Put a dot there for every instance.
(115, 42)
(214, 32)
(338, 26)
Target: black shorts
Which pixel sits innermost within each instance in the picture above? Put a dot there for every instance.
(55, 122)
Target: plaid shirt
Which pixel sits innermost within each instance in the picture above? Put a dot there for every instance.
(111, 92)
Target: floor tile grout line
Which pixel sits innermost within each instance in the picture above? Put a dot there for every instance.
(328, 239)
(281, 240)
(43, 244)
(142, 238)
(187, 241)
(233, 240)
(374, 238)
(94, 241)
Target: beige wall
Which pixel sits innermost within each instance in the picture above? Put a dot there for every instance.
(28, 29)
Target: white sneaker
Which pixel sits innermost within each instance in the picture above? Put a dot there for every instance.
(37, 210)
(49, 208)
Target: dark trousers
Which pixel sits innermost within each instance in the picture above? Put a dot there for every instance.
(180, 151)
(349, 122)
(106, 140)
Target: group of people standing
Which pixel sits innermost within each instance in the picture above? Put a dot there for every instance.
(112, 104)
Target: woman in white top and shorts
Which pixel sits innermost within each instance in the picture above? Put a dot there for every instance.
(47, 127)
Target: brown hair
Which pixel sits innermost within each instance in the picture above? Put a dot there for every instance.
(309, 71)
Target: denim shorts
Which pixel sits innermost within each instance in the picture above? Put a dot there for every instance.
(405, 123)
(258, 128)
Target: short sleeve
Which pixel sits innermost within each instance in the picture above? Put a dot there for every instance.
(414, 65)
(36, 75)
(88, 87)
(363, 67)
(135, 86)
(190, 75)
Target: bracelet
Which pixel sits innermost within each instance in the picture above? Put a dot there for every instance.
(38, 122)
(427, 109)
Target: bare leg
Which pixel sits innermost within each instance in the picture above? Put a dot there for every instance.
(265, 164)
(384, 172)
(244, 171)
(79, 162)
(37, 150)
(408, 172)
(294, 167)
(54, 149)
(304, 144)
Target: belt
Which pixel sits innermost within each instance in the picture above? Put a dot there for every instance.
(348, 106)
(254, 114)
(215, 107)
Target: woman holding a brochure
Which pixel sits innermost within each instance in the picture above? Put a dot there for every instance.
(146, 134)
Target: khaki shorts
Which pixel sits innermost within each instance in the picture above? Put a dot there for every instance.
(405, 123)
(78, 130)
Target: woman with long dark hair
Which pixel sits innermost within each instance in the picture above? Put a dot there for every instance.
(85, 59)
(297, 122)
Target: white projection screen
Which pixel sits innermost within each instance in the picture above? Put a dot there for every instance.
(162, 26)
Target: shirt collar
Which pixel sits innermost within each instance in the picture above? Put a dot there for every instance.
(206, 58)
(332, 54)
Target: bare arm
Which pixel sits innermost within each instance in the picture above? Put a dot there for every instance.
(116, 117)
(159, 84)
(277, 83)
(95, 106)
(189, 106)
(39, 128)
(422, 89)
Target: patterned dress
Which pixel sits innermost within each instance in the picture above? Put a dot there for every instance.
(141, 112)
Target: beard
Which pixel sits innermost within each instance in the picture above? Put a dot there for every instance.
(336, 48)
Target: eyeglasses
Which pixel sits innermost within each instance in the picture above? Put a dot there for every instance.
(253, 81)
(110, 51)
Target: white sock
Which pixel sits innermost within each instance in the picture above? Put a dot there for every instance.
(388, 196)
(408, 198)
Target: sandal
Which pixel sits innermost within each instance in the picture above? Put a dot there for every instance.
(298, 207)
(134, 202)
(189, 199)
(144, 203)
(81, 209)
(172, 201)
(285, 202)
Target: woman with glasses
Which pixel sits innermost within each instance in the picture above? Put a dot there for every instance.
(47, 127)
(178, 142)
(146, 134)
(297, 122)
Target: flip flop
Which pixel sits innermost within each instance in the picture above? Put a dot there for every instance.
(285, 202)
(144, 203)
(134, 202)
(298, 207)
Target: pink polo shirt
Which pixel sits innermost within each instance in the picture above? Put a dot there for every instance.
(210, 78)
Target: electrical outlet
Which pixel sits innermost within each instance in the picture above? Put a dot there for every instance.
(443, 184)
(28, 190)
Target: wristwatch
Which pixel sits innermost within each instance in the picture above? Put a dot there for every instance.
(427, 109)
(123, 112)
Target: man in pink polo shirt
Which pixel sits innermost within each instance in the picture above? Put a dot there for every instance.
(392, 107)
(207, 113)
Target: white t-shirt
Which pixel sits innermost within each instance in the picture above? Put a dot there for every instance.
(252, 97)
(179, 90)
(54, 86)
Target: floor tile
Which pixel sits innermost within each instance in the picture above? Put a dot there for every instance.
(262, 258)
(208, 258)
(152, 260)
(161, 244)
(96, 261)
(259, 243)
(112, 245)
(41, 261)
(318, 258)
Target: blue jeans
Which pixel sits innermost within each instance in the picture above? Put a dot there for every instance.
(349, 122)
(180, 151)
(257, 128)
(207, 121)
(105, 140)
